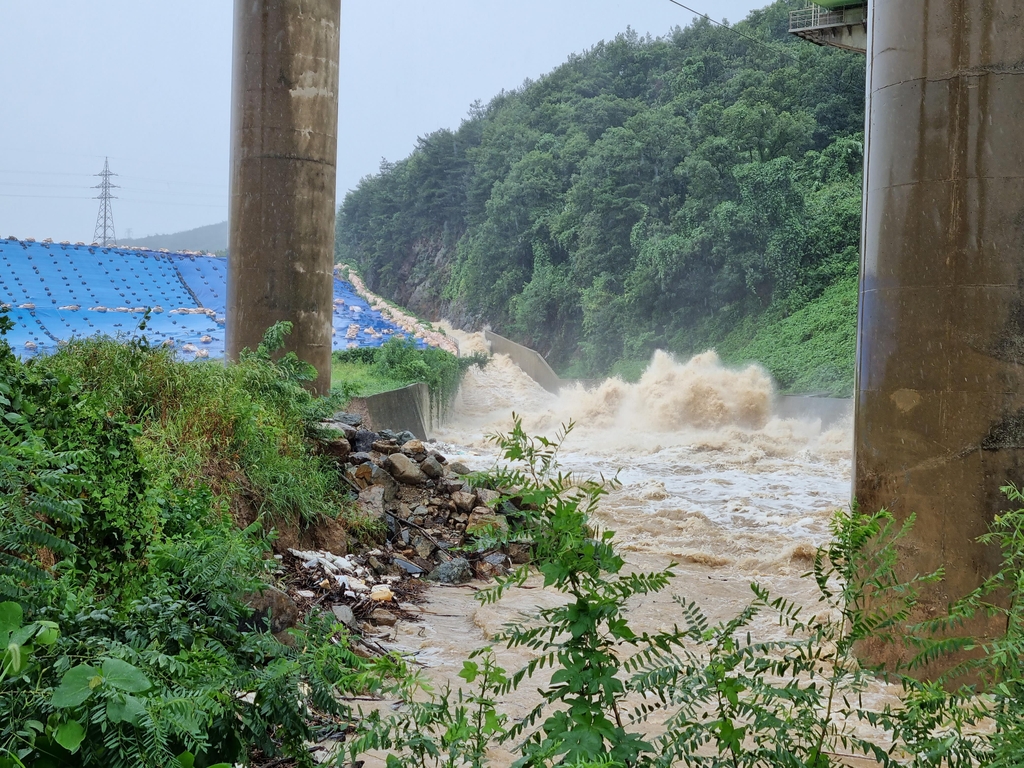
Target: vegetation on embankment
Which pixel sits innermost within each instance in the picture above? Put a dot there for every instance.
(135, 491)
(692, 191)
(397, 363)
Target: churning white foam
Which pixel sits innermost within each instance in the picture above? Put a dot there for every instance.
(707, 470)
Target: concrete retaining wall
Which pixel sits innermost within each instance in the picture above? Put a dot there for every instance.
(407, 408)
(829, 409)
(531, 361)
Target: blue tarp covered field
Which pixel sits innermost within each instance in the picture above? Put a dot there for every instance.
(58, 291)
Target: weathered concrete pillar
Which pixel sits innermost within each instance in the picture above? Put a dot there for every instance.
(940, 370)
(284, 146)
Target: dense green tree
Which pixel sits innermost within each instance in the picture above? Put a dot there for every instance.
(682, 192)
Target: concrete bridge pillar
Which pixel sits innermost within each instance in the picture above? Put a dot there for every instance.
(284, 144)
(940, 362)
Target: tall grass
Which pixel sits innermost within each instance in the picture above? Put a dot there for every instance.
(241, 428)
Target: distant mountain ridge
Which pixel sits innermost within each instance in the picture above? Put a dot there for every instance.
(211, 238)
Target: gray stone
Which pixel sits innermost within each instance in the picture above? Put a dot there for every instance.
(424, 547)
(464, 500)
(404, 437)
(347, 431)
(344, 614)
(364, 440)
(487, 497)
(371, 501)
(483, 520)
(432, 468)
(359, 457)
(405, 470)
(272, 604)
(459, 468)
(408, 566)
(383, 618)
(457, 571)
(352, 419)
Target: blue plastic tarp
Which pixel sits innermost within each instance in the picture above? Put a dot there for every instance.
(58, 291)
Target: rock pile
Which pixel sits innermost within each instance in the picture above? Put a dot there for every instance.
(431, 512)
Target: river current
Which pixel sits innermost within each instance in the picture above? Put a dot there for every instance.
(709, 479)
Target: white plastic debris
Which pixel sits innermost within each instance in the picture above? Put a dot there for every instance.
(381, 593)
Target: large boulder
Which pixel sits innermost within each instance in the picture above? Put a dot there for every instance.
(464, 500)
(484, 520)
(338, 448)
(404, 469)
(351, 419)
(271, 605)
(347, 430)
(457, 571)
(364, 440)
(487, 497)
(432, 468)
(365, 475)
(360, 457)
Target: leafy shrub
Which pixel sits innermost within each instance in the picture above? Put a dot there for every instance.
(399, 362)
(241, 427)
(127, 642)
(723, 699)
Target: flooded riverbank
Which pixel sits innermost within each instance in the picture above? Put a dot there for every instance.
(708, 478)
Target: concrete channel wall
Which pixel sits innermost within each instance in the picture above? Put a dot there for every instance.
(830, 410)
(531, 361)
(407, 408)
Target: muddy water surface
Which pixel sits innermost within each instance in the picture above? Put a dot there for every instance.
(709, 479)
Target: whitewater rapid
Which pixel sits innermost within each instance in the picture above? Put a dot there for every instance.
(708, 473)
(711, 482)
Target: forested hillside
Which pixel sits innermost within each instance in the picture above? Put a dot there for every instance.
(692, 191)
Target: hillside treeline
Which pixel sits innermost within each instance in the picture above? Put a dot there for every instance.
(697, 190)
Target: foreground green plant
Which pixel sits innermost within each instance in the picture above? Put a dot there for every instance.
(450, 729)
(126, 638)
(997, 663)
(399, 362)
(723, 698)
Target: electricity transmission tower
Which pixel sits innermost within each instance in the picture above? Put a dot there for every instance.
(104, 232)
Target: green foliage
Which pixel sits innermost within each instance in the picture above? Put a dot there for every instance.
(649, 193)
(126, 640)
(398, 363)
(810, 350)
(242, 427)
(445, 731)
(701, 694)
(997, 663)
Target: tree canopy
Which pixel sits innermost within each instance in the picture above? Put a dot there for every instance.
(694, 190)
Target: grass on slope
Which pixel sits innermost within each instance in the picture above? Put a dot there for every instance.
(808, 352)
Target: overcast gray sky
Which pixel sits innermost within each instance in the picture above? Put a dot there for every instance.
(147, 83)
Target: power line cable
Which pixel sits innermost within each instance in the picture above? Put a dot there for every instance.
(762, 43)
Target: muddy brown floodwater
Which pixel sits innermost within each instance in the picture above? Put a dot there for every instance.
(710, 480)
